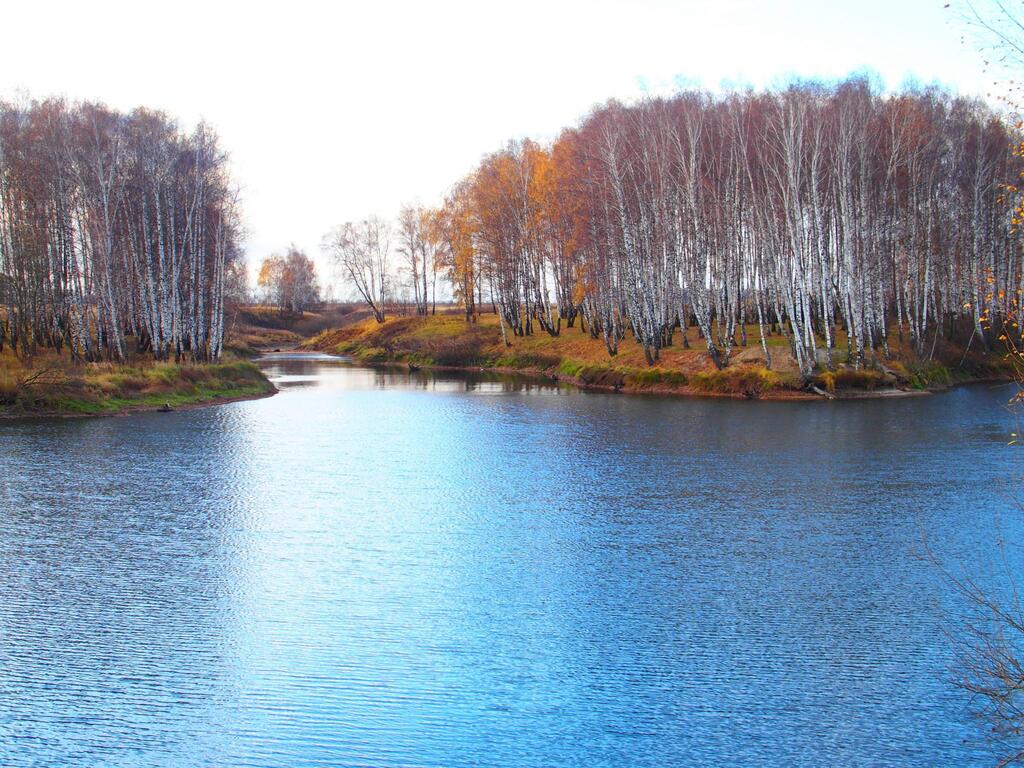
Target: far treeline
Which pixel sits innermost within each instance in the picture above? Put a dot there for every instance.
(112, 226)
(812, 209)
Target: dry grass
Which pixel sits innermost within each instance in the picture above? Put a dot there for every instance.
(251, 329)
(750, 381)
(572, 356)
(447, 340)
(54, 384)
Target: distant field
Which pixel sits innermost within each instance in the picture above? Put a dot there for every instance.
(252, 328)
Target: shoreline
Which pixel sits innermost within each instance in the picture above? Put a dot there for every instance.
(106, 389)
(448, 342)
(7, 414)
(541, 376)
(780, 395)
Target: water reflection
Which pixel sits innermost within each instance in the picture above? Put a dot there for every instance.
(339, 373)
(406, 568)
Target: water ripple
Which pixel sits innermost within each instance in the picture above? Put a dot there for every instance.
(389, 569)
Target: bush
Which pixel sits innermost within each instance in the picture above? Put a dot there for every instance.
(849, 378)
(928, 374)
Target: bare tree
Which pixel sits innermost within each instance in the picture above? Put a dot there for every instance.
(289, 282)
(996, 28)
(361, 250)
(416, 249)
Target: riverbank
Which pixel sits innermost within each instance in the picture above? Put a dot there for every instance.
(54, 386)
(573, 357)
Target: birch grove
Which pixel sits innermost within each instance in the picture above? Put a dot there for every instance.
(115, 229)
(832, 215)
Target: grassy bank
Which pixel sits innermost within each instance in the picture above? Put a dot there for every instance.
(54, 386)
(448, 341)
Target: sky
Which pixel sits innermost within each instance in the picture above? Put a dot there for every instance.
(334, 111)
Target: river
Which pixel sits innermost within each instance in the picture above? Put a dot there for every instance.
(392, 569)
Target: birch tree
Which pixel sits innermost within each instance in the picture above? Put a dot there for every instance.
(361, 251)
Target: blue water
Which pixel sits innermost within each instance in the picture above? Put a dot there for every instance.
(376, 569)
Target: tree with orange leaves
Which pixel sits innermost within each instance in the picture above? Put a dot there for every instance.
(451, 231)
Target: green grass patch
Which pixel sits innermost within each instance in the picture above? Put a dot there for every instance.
(571, 368)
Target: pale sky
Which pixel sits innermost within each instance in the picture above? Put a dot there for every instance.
(333, 111)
